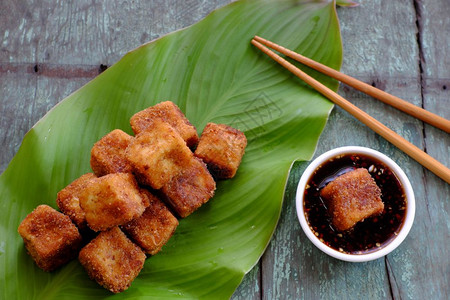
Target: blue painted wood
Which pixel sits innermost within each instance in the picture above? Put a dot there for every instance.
(48, 50)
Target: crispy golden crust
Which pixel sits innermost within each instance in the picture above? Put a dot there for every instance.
(146, 196)
(191, 189)
(351, 198)
(50, 237)
(153, 229)
(221, 147)
(69, 203)
(158, 154)
(168, 112)
(108, 154)
(112, 260)
(111, 200)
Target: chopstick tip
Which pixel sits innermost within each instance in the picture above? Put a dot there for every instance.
(256, 43)
(258, 38)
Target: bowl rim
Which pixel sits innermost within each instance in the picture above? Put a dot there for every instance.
(410, 211)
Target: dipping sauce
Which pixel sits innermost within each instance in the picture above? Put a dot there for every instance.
(368, 235)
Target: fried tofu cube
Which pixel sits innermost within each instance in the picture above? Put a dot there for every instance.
(153, 229)
(221, 147)
(112, 260)
(111, 200)
(351, 198)
(69, 203)
(108, 154)
(191, 189)
(50, 237)
(158, 154)
(170, 113)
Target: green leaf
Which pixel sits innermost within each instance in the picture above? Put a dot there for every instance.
(214, 74)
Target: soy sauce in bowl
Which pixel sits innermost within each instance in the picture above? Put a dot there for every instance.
(370, 234)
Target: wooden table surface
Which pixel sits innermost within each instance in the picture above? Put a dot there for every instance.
(50, 48)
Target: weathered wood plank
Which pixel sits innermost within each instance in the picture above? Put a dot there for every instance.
(380, 48)
(426, 274)
(90, 32)
(26, 97)
(249, 289)
(16, 89)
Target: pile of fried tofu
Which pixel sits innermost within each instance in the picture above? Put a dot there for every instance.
(130, 205)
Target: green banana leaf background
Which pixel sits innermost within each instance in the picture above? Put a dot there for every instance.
(214, 74)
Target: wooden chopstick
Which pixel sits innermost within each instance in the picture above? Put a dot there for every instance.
(420, 156)
(400, 104)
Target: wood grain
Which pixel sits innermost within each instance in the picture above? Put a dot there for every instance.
(430, 249)
(70, 42)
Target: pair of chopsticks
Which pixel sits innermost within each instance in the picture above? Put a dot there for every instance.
(417, 154)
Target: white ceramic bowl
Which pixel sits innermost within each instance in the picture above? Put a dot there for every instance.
(385, 249)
